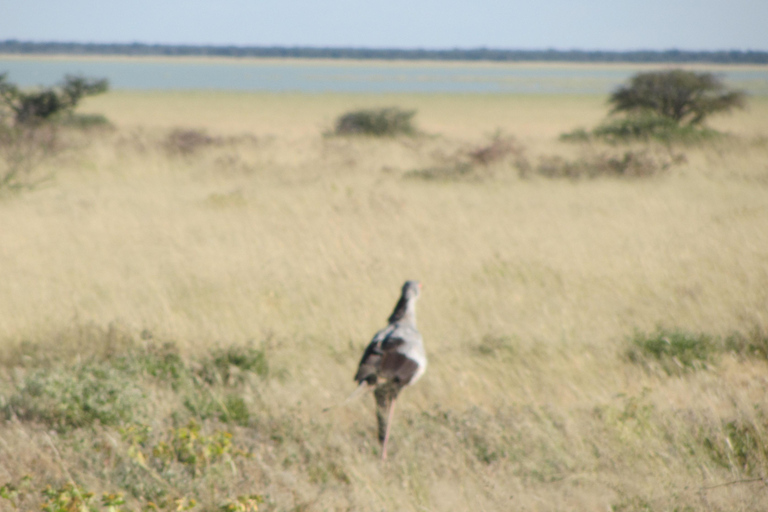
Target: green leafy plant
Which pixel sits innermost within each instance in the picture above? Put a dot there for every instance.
(195, 450)
(68, 498)
(675, 350)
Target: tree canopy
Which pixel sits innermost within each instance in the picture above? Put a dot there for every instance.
(685, 97)
(39, 105)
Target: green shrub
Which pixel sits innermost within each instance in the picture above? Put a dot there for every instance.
(80, 395)
(162, 362)
(650, 127)
(754, 344)
(577, 135)
(736, 445)
(229, 366)
(643, 128)
(377, 122)
(675, 350)
(455, 172)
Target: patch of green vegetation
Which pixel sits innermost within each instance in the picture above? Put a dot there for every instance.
(737, 445)
(454, 172)
(676, 351)
(230, 366)
(382, 122)
(632, 504)
(73, 497)
(753, 344)
(644, 128)
(78, 395)
(84, 121)
(495, 346)
(110, 383)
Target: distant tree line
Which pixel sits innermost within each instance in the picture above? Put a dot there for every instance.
(476, 54)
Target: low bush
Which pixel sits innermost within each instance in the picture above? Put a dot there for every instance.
(496, 150)
(229, 366)
(675, 351)
(79, 395)
(643, 128)
(753, 344)
(376, 122)
(474, 163)
(185, 142)
(454, 172)
(23, 151)
(632, 164)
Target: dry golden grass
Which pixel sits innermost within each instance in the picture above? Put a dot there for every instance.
(299, 242)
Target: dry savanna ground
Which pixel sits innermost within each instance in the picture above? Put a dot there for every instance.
(183, 294)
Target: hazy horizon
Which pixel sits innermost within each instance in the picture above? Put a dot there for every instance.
(593, 25)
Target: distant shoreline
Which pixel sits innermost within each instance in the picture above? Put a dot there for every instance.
(70, 49)
(375, 62)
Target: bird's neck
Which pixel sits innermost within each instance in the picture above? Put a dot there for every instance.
(404, 313)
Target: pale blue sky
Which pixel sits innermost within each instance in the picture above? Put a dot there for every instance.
(531, 24)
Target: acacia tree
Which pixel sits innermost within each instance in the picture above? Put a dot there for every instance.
(30, 107)
(684, 97)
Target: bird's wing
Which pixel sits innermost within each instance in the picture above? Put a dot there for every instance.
(387, 357)
(371, 360)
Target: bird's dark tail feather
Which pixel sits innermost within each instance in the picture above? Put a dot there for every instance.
(384, 396)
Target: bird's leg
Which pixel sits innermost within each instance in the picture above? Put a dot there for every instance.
(386, 433)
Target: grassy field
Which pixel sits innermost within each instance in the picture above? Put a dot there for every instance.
(175, 313)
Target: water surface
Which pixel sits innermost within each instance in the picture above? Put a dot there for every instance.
(345, 76)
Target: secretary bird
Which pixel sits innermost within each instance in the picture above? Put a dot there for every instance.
(394, 359)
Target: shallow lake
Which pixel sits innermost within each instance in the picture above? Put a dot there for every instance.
(345, 76)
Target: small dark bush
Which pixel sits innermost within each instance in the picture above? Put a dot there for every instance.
(499, 148)
(577, 135)
(632, 164)
(377, 122)
(453, 172)
(187, 141)
(675, 351)
(474, 163)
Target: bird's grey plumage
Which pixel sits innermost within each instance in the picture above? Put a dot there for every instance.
(394, 358)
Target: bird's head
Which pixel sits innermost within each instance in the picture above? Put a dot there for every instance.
(411, 289)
